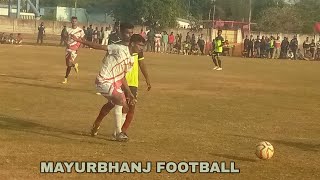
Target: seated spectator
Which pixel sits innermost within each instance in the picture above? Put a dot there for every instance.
(18, 40)
(2, 38)
(11, 39)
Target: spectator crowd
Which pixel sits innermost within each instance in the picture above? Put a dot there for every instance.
(274, 48)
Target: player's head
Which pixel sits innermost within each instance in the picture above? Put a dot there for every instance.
(126, 31)
(219, 32)
(137, 43)
(74, 21)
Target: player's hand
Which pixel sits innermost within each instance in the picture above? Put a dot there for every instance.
(132, 99)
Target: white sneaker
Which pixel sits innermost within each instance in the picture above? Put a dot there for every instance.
(65, 81)
(219, 69)
(215, 68)
(121, 137)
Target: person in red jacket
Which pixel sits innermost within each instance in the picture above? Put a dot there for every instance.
(171, 42)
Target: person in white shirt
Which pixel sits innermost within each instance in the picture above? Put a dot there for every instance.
(116, 63)
(106, 34)
(72, 47)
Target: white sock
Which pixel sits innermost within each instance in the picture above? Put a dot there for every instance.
(124, 116)
(118, 118)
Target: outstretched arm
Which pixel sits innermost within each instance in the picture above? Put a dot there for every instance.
(144, 71)
(90, 44)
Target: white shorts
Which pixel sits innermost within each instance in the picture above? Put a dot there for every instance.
(110, 89)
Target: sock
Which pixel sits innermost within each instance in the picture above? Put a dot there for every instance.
(118, 118)
(128, 120)
(68, 71)
(215, 61)
(124, 116)
(219, 61)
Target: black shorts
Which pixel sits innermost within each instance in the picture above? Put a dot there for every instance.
(134, 91)
(216, 54)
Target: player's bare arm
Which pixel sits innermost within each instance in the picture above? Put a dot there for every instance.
(145, 73)
(90, 44)
(132, 99)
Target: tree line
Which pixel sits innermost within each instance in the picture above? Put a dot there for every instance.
(295, 16)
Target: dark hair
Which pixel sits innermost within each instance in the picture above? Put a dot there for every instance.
(124, 26)
(74, 17)
(136, 38)
(219, 30)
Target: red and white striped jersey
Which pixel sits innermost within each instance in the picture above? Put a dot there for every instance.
(79, 33)
(117, 62)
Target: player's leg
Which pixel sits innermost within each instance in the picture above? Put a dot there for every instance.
(70, 58)
(38, 39)
(130, 114)
(219, 62)
(105, 110)
(121, 109)
(69, 66)
(214, 59)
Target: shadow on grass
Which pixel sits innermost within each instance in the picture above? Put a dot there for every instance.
(47, 86)
(299, 145)
(21, 125)
(19, 77)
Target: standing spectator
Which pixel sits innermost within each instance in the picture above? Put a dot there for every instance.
(250, 47)
(63, 36)
(294, 46)
(114, 37)
(143, 34)
(188, 38)
(100, 35)
(106, 35)
(313, 48)
(257, 45)
(165, 41)
(317, 57)
(157, 40)
(268, 45)
(263, 47)
(171, 42)
(178, 42)
(85, 30)
(271, 47)
(90, 33)
(193, 42)
(150, 42)
(277, 46)
(306, 47)
(95, 36)
(41, 33)
(246, 45)
(201, 43)
(284, 48)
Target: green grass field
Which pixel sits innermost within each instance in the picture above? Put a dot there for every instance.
(192, 113)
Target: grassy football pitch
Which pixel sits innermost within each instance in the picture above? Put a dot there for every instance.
(192, 113)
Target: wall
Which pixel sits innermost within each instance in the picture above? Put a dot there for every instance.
(65, 14)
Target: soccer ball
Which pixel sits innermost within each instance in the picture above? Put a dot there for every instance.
(264, 150)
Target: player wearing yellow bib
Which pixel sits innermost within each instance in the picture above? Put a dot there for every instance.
(133, 83)
(218, 48)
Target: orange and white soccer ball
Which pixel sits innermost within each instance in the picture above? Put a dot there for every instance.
(264, 150)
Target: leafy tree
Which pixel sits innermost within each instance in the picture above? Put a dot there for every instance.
(277, 19)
